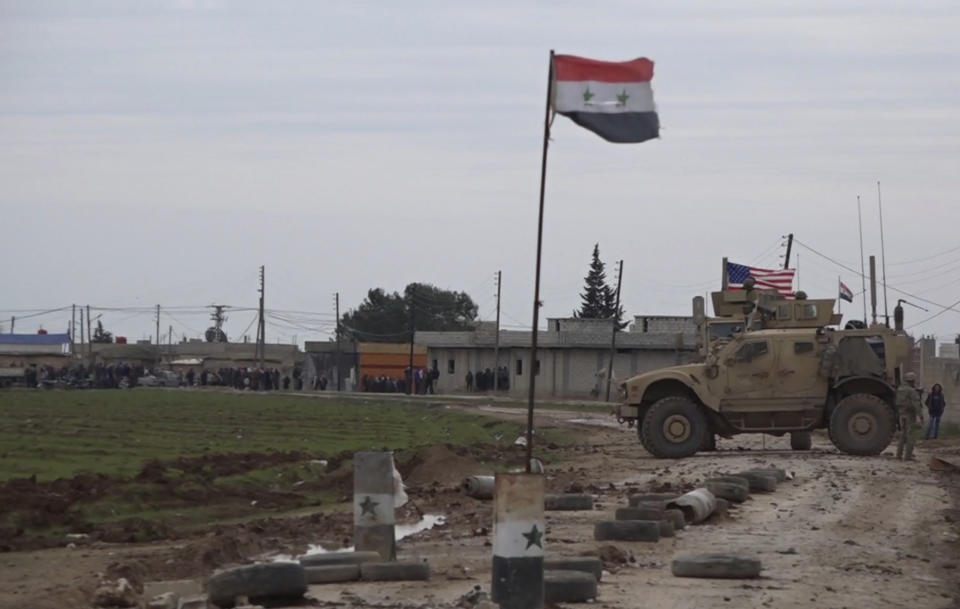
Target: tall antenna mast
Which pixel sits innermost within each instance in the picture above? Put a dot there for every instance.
(863, 271)
(883, 259)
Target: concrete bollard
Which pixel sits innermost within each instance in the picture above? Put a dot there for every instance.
(374, 503)
(478, 487)
(518, 541)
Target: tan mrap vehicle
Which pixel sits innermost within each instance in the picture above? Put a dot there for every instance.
(774, 381)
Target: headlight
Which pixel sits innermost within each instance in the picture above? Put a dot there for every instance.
(622, 389)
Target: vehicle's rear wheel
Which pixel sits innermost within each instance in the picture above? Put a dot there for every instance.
(801, 440)
(862, 424)
(673, 428)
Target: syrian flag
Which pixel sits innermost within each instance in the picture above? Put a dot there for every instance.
(845, 292)
(612, 99)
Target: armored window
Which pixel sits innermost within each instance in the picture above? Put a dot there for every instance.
(451, 366)
(800, 348)
(783, 312)
(751, 351)
(806, 311)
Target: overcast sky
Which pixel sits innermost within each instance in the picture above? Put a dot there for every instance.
(159, 152)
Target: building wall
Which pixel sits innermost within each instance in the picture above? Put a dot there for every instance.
(568, 373)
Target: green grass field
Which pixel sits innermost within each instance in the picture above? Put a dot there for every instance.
(213, 452)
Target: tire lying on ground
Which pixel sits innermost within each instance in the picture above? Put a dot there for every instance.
(627, 530)
(329, 574)
(584, 564)
(568, 586)
(734, 480)
(676, 517)
(719, 566)
(277, 580)
(760, 481)
(801, 440)
(651, 499)
(639, 513)
(666, 529)
(339, 558)
(776, 472)
(721, 509)
(727, 490)
(568, 503)
(394, 571)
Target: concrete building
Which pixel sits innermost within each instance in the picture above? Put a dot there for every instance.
(931, 370)
(572, 354)
(23, 350)
(361, 359)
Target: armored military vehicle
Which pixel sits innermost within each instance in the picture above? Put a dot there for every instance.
(781, 367)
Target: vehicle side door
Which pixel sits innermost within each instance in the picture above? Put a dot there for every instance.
(797, 375)
(749, 371)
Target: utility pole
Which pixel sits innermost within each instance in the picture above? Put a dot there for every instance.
(786, 259)
(613, 338)
(158, 326)
(336, 297)
(82, 337)
(496, 340)
(261, 325)
(883, 259)
(413, 332)
(170, 336)
(73, 330)
(89, 337)
(13, 321)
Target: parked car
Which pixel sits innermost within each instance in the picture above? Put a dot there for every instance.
(160, 378)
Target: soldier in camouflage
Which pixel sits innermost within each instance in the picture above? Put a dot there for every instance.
(911, 411)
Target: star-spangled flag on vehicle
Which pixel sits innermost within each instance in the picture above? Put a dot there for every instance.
(780, 280)
(845, 292)
(613, 99)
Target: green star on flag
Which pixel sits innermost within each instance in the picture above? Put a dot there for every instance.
(588, 95)
(367, 506)
(534, 538)
(622, 98)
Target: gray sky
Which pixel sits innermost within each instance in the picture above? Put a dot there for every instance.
(158, 152)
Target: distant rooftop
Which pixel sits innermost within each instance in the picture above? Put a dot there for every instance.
(34, 339)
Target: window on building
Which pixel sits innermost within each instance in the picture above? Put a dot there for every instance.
(519, 367)
(536, 368)
(451, 366)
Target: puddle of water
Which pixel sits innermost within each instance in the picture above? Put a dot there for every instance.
(402, 531)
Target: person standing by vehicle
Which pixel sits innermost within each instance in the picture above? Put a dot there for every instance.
(936, 404)
(910, 409)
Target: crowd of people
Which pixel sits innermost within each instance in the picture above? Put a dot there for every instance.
(483, 380)
(424, 382)
(246, 378)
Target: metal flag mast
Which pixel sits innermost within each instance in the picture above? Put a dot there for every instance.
(863, 270)
(536, 284)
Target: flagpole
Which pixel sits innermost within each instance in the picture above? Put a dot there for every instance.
(536, 282)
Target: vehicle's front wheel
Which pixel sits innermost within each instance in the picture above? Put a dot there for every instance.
(862, 424)
(673, 428)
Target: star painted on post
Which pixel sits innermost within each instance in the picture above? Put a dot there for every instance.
(622, 98)
(588, 95)
(534, 538)
(367, 506)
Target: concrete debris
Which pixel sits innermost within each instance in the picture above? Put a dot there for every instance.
(167, 600)
(116, 594)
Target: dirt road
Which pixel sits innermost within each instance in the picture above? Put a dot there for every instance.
(845, 532)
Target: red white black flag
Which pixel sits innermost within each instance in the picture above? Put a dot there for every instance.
(612, 99)
(845, 292)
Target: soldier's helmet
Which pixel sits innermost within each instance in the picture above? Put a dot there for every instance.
(910, 377)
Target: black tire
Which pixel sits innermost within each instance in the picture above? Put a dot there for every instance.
(709, 443)
(732, 480)
(639, 513)
(676, 517)
(801, 440)
(277, 580)
(667, 529)
(760, 481)
(568, 503)
(651, 500)
(339, 558)
(627, 530)
(394, 571)
(568, 587)
(584, 564)
(727, 490)
(862, 424)
(673, 428)
(330, 574)
(721, 566)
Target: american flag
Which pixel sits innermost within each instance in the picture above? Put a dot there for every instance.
(780, 280)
